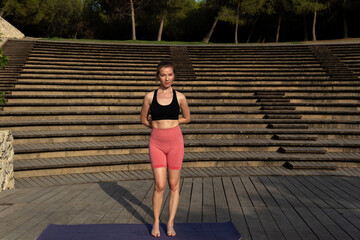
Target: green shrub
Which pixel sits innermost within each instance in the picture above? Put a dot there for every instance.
(3, 62)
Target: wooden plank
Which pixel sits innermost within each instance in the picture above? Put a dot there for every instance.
(271, 229)
(256, 229)
(301, 209)
(236, 213)
(135, 201)
(349, 188)
(347, 226)
(297, 222)
(103, 191)
(222, 212)
(208, 208)
(339, 194)
(280, 218)
(333, 228)
(195, 210)
(320, 192)
(21, 221)
(145, 210)
(39, 216)
(115, 192)
(116, 206)
(184, 202)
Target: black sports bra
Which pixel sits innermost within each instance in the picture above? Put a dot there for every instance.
(167, 112)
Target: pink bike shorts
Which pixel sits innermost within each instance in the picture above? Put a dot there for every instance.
(166, 148)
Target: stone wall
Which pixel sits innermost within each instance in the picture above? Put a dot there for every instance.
(9, 31)
(6, 161)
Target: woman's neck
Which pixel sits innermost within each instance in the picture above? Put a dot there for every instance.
(165, 90)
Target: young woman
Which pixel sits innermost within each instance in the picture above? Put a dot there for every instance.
(166, 145)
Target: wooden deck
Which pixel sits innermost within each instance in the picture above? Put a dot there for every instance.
(262, 202)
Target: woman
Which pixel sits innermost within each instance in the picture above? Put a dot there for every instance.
(166, 145)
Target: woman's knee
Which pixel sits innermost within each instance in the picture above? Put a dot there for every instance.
(160, 187)
(174, 185)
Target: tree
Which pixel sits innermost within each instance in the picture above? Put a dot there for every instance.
(214, 6)
(123, 7)
(24, 12)
(238, 12)
(346, 6)
(278, 7)
(310, 6)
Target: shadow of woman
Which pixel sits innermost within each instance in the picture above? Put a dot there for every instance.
(126, 199)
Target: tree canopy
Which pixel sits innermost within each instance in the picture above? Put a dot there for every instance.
(186, 20)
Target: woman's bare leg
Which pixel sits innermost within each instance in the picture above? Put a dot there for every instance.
(160, 183)
(174, 184)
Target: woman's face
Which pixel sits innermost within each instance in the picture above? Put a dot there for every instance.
(166, 77)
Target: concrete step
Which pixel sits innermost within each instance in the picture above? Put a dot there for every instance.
(295, 137)
(73, 165)
(68, 149)
(288, 126)
(64, 133)
(302, 150)
(203, 114)
(305, 165)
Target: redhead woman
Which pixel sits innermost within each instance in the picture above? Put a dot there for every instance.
(166, 144)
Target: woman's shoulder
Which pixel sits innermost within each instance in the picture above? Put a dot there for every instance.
(149, 96)
(180, 95)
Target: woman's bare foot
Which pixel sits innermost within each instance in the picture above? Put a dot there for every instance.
(170, 230)
(155, 232)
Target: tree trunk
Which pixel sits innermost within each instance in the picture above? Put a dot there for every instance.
(237, 23)
(133, 20)
(161, 25)
(345, 25)
(314, 26)
(278, 28)
(306, 37)
(251, 31)
(208, 35)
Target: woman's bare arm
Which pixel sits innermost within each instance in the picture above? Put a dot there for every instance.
(185, 111)
(145, 110)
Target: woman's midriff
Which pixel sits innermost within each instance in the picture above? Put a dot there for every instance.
(165, 123)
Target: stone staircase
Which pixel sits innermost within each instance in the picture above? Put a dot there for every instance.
(302, 100)
(17, 52)
(75, 107)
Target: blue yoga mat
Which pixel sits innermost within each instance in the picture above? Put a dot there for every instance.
(184, 231)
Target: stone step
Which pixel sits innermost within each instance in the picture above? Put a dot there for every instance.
(273, 101)
(288, 126)
(240, 97)
(141, 146)
(194, 104)
(295, 137)
(199, 114)
(289, 108)
(64, 134)
(305, 165)
(302, 150)
(324, 127)
(278, 116)
(31, 167)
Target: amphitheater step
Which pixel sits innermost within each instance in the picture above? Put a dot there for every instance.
(29, 151)
(310, 165)
(101, 163)
(288, 126)
(289, 108)
(274, 100)
(302, 150)
(293, 116)
(296, 137)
